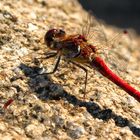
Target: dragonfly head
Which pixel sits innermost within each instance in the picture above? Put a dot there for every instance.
(52, 36)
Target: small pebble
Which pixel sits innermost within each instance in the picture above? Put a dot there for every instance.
(32, 27)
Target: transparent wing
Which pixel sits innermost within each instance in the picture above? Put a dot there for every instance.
(93, 31)
(108, 49)
(115, 53)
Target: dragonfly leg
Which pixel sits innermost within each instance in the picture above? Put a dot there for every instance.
(47, 56)
(50, 54)
(55, 67)
(86, 71)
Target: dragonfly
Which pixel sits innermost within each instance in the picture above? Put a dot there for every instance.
(76, 49)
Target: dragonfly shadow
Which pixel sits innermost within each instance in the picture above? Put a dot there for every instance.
(46, 89)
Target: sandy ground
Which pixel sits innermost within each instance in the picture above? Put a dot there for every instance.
(51, 107)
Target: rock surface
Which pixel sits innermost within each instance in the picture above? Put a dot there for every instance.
(51, 107)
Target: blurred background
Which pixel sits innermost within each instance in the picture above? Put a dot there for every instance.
(121, 13)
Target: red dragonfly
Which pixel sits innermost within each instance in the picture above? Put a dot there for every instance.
(77, 50)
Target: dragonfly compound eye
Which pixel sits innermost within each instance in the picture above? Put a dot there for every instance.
(52, 36)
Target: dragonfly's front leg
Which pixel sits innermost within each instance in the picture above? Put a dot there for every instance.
(86, 71)
(49, 55)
